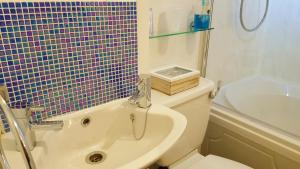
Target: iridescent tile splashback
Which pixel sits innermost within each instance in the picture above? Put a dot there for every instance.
(67, 56)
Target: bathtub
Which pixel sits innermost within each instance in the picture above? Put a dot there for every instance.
(270, 101)
(260, 117)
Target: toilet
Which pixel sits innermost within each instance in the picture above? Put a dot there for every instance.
(185, 154)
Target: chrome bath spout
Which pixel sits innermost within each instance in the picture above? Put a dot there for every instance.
(18, 134)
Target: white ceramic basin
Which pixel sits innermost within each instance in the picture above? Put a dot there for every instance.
(109, 131)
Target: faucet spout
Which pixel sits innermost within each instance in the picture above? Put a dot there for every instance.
(47, 125)
(41, 124)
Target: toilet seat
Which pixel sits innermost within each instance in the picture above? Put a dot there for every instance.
(197, 161)
(215, 162)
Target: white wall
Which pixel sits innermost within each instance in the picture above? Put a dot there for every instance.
(271, 51)
(169, 16)
(143, 35)
(233, 53)
(282, 41)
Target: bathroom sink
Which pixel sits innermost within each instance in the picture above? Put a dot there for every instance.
(102, 138)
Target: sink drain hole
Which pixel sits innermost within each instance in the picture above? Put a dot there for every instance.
(85, 122)
(95, 157)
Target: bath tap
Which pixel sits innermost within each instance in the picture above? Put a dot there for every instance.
(214, 93)
(142, 96)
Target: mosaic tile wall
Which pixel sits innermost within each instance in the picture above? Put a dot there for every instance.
(67, 56)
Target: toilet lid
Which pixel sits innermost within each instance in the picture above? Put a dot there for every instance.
(215, 162)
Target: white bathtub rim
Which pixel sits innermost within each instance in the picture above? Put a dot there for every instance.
(257, 132)
(279, 82)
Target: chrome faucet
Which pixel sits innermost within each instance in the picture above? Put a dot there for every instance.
(142, 96)
(28, 126)
(215, 91)
(22, 128)
(17, 132)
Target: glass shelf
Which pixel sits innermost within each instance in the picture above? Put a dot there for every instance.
(178, 33)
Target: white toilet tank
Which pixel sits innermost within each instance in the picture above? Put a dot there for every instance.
(196, 112)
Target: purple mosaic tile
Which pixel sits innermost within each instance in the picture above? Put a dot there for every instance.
(67, 56)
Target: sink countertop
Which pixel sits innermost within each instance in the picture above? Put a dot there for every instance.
(205, 85)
